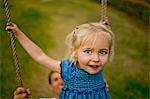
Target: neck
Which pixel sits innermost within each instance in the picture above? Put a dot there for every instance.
(56, 95)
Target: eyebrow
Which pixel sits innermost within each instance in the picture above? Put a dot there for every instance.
(84, 48)
(104, 49)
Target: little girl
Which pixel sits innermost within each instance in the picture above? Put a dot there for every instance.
(90, 48)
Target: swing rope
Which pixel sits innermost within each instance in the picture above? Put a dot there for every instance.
(103, 8)
(13, 45)
(104, 17)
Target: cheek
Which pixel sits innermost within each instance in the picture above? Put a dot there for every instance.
(104, 60)
(55, 85)
(82, 60)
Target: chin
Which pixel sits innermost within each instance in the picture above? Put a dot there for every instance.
(93, 72)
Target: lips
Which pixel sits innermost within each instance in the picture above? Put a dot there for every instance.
(61, 85)
(94, 66)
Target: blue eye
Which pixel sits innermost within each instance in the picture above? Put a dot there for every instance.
(87, 52)
(103, 53)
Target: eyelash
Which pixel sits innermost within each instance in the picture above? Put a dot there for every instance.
(103, 52)
(90, 52)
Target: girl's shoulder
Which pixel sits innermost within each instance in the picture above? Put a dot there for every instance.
(68, 69)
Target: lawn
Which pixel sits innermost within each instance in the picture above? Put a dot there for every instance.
(47, 22)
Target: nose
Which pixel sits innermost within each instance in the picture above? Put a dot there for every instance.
(96, 58)
(60, 81)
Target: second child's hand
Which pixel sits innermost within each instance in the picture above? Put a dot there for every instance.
(21, 93)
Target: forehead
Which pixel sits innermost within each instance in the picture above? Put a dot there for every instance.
(96, 40)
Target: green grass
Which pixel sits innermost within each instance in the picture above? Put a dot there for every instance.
(48, 23)
(139, 8)
(144, 3)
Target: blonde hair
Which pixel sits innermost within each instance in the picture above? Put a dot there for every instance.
(74, 40)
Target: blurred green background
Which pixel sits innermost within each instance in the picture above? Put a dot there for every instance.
(47, 22)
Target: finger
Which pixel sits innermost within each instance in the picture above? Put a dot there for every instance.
(28, 91)
(24, 95)
(8, 24)
(105, 21)
(107, 85)
(12, 29)
(20, 96)
(9, 28)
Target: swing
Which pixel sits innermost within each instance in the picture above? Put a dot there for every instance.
(13, 46)
(104, 20)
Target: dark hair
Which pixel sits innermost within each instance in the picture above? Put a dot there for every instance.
(49, 76)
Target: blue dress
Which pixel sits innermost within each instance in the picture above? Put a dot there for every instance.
(78, 84)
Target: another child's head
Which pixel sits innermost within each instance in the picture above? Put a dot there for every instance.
(91, 46)
(55, 81)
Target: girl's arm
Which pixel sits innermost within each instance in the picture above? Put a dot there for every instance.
(33, 50)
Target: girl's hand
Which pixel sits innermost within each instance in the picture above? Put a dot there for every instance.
(12, 28)
(105, 21)
(107, 85)
(21, 93)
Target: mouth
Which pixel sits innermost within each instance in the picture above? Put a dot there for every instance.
(94, 67)
(61, 85)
